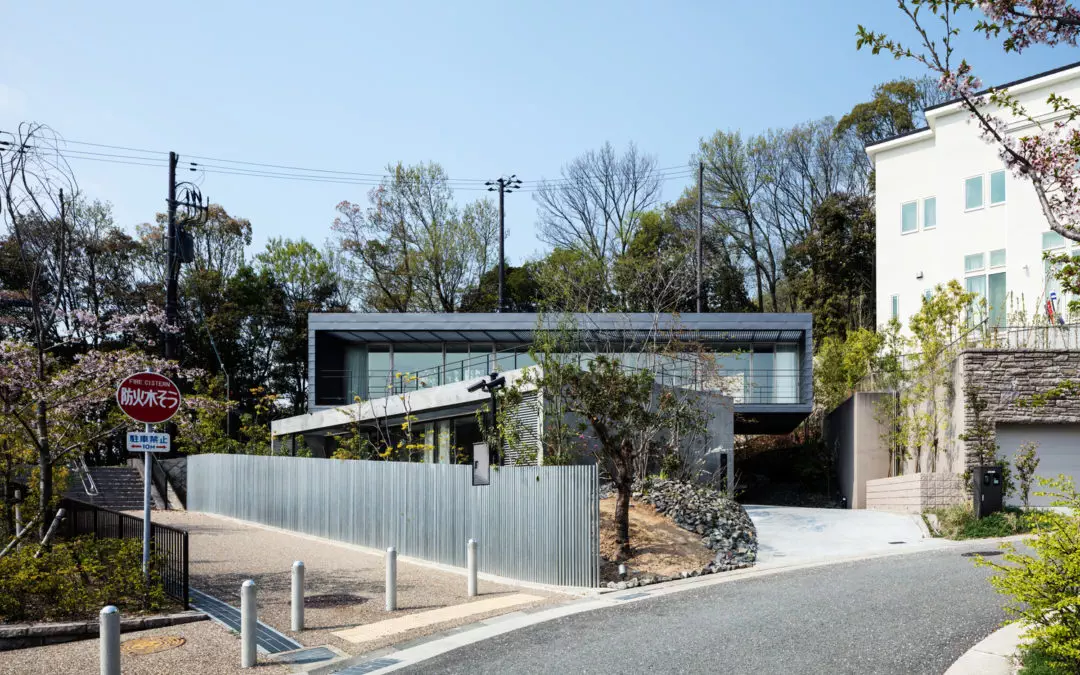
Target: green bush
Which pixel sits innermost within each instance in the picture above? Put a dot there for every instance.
(1045, 587)
(1037, 663)
(959, 522)
(75, 579)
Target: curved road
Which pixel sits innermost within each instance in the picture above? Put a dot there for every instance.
(902, 614)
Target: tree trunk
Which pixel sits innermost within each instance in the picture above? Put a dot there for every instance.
(45, 468)
(622, 511)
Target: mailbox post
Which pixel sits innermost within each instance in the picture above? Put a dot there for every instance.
(987, 489)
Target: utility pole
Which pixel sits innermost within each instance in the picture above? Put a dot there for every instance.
(700, 224)
(503, 185)
(172, 269)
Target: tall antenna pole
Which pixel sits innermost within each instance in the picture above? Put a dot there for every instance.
(171, 267)
(700, 218)
(504, 186)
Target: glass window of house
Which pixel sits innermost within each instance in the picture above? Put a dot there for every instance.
(423, 361)
(997, 187)
(762, 372)
(973, 262)
(973, 193)
(378, 371)
(457, 354)
(787, 373)
(1052, 240)
(909, 217)
(929, 213)
(996, 298)
(977, 285)
(997, 258)
(481, 360)
(896, 306)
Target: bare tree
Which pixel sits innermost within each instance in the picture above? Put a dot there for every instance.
(595, 207)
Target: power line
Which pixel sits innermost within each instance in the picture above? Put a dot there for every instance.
(153, 158)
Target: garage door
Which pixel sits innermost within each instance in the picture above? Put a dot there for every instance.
(1058, 451)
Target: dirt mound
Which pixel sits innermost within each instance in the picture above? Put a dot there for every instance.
(658, 545)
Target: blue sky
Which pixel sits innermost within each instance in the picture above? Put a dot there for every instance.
(484, 88)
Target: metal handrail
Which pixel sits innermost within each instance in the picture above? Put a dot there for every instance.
(78, 465)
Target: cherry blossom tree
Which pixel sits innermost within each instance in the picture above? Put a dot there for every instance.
(1047, 157)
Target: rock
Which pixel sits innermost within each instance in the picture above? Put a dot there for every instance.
(621, 586)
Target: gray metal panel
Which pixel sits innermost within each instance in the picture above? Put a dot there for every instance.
(532, 523)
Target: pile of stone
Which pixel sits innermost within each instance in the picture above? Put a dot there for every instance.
(723, 523)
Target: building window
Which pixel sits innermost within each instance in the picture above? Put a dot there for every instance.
(997, 258)
(1052, 240)
(973, 193)
(997, 188)
(929, 213)
(896, 307)
(909, 217)
(989, 289)
(974, 262)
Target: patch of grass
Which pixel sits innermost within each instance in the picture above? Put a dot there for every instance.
(959, 522)
(1036, 663)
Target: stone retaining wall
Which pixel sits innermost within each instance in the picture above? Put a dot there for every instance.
(915, 493)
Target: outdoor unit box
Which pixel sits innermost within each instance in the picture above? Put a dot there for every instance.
(987, 489)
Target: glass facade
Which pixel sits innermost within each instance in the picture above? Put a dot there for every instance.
(929, 213)
(750, 373)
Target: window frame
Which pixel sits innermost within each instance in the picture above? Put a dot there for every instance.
(982, 193)
(923, 219)
(981, 269)
(990, 188)
(990, 259)
(915, 203)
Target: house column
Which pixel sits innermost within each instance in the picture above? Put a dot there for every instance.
(443, 440)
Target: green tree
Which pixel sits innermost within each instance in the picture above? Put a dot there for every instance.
(521, 292)
(896, 108)
(307, 284)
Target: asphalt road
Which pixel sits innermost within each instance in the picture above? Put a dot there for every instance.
(903, 614)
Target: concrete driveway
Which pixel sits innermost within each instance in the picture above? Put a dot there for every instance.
(789, 533)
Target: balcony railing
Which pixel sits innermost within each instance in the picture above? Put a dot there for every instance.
(747, 385)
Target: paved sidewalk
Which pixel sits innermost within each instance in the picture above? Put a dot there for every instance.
(344, 584)
(208, 648)
(993, 656)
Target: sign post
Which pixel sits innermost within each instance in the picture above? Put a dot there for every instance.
(149, 398)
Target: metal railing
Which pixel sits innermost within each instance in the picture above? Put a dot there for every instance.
(746, 385)
(170, 545)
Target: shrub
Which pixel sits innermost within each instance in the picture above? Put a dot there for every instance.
(1026, 462)
(1036, 663)
(959, 522)
(1044, 587)
(75, 579)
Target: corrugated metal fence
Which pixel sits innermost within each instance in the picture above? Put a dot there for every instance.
(532, 523)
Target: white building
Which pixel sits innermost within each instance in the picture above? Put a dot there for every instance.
(948, 209)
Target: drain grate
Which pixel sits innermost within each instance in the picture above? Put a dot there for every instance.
(631, 596)
(985, 554)
(897, 542)
(368, 666)
(312, 655)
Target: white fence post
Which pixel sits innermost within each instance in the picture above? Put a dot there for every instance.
(391, 579)
(473, 564)
(109, 639)
(249, 623)
(298, 596)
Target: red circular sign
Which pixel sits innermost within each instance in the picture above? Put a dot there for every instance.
(149, 398)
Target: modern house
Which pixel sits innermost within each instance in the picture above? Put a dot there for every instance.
(948, 208)
(756, 369)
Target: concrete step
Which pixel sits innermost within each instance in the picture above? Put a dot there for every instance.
(119, 488)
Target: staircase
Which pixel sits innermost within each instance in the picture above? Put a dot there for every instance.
(119, 488)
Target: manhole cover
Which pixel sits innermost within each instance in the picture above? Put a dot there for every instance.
(333, 600)
(985, 554)
(151, 645)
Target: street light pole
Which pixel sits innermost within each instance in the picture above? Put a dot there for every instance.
(504, 186)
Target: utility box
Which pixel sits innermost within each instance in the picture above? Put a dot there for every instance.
(987, 487)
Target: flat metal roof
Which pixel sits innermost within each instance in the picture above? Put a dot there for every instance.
(514, 327)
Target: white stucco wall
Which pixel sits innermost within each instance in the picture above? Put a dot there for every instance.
(935, 163)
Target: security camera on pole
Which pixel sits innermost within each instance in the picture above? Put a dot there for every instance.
(150, 398)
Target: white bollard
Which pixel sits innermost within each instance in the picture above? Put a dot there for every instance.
(472, 562)
(249, 623)
(391, 579)
(298, 596)
(109, 637)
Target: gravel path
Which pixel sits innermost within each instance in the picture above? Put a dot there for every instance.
(907, 614)
(344, 585)
(209, 649)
